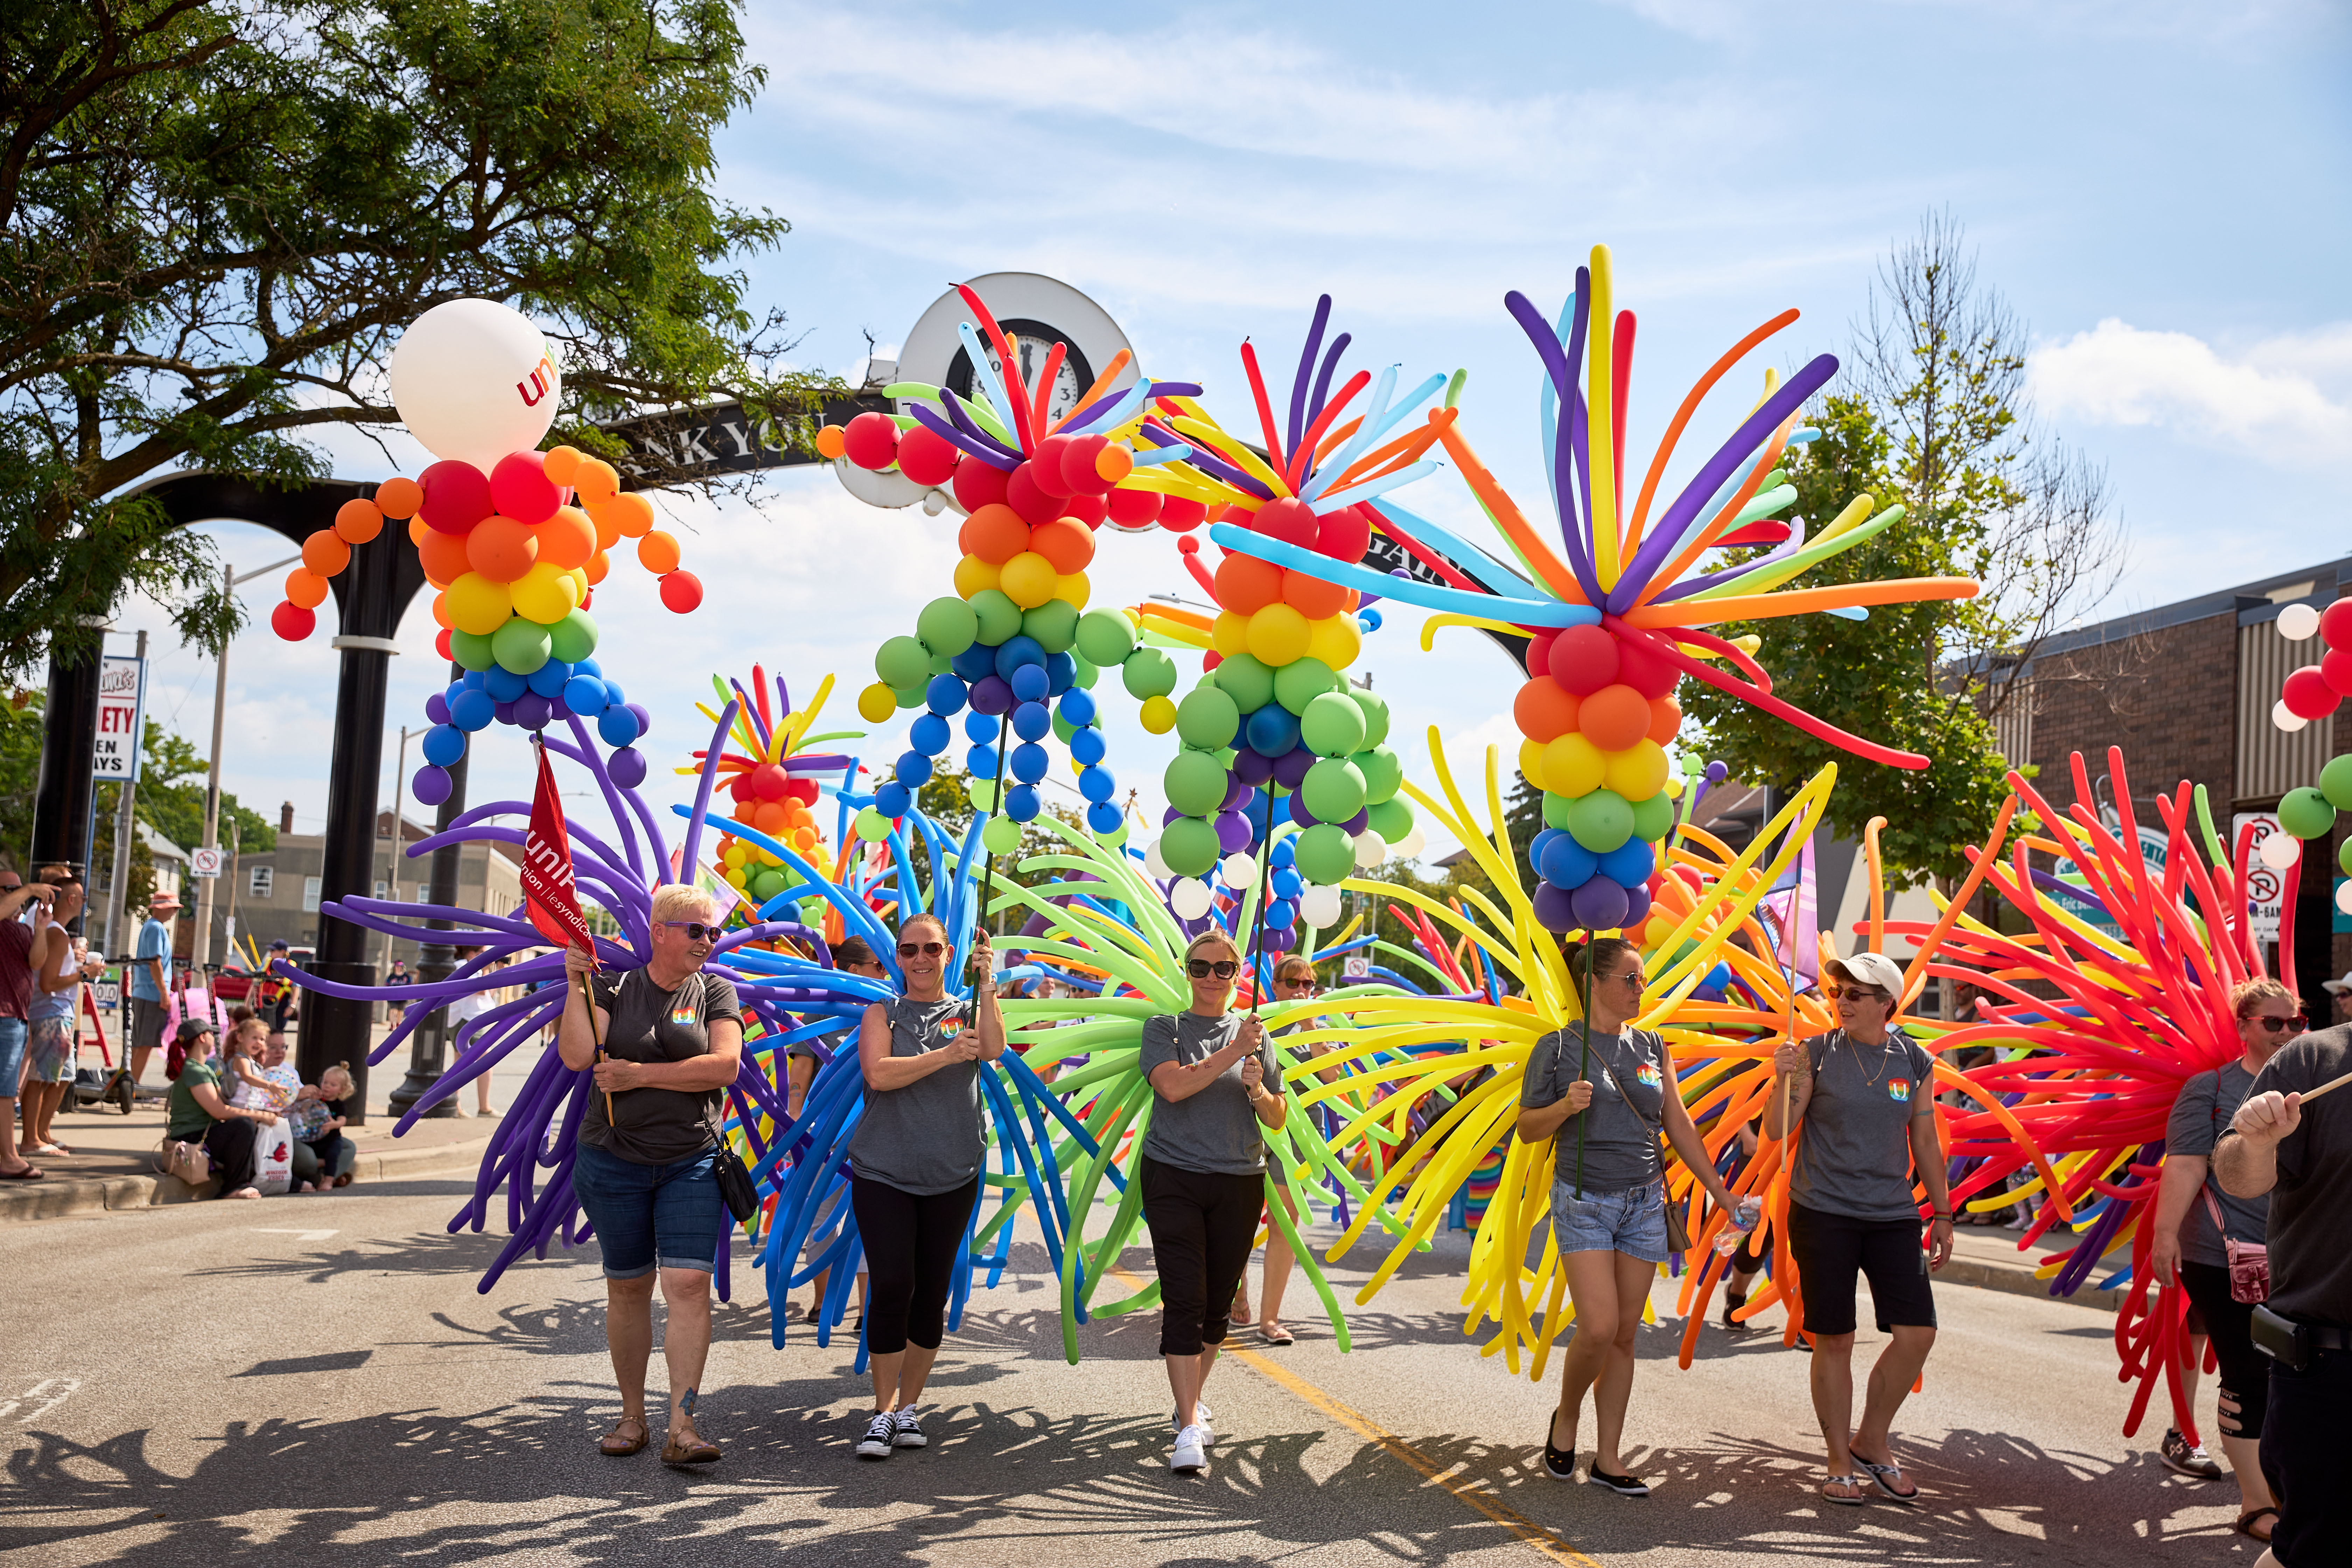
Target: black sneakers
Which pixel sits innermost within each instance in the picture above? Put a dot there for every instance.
(1623, 1486)
(1560, 1464)
(881, 1436)
(907, 1429)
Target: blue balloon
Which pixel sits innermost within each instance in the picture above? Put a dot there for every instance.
(1284, 854)
(503, 684)
(981, 762)
(1033, 722)
(1286, 882)
(892, 798)
(1077, 707)
(983, 727)
(1281, 914)
(1061, 670)
(585, 695)
(946, 694)
(473, 710)
(1271, 730)
(613, 695)
(1028, 763)
(1030, 682)
(1087, 745)
(1096, 784)
(930, 733)
(975, 662)
(444, 744)
(549, 679)
(1630, 864)
(1017, 650)
(590, 667)
(914, 770)
(1538, 844)
(473, 680)
(1104, 817)
(618, 726)
(1566, 863)
(1368, 620)
(1021, 802)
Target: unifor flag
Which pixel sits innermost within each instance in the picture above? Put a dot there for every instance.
(547, 886)
(1794, 905)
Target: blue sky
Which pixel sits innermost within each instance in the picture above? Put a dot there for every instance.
(2158, 188)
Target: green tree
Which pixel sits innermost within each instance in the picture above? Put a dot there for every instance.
(217, 216)
(20, 772)
(170, 797)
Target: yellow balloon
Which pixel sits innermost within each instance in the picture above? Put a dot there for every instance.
(1531, 762)
(1335, 640)
(542, 594)
(1278, 634)
(578, 578)
(973, 575)
(477, 605)
(1674, 789)
(1574, 766)
(1229, 633)
(1158, 715)
(735, 878)
(1638, 772)
(876, 704)
(1073, 589)
(736, 855)
(1028, 579)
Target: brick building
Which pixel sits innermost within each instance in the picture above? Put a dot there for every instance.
(278, 891)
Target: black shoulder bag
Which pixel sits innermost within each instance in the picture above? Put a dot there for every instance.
(735, 1188)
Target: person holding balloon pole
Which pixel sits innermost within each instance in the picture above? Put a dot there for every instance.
(1601, 1091)
(915, 1165)
(1864, 1098)
(1217, 1088)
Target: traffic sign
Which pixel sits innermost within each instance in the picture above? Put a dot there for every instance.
(205, 863)
(1356, 966)
(2265, 888)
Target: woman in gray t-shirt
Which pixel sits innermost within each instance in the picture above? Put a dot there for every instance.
(914, 1164)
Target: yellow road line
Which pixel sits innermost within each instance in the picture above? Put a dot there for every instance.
(1468, 1491)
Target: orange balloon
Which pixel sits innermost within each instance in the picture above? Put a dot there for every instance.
(994, 532)
(357, 522)
(441, 610)
(305, 588)
(1246, 584)
(501, 549)
(768, 816)
(417, 529)
(567, 538)
(1545, 709)
(596, 480)
(398, 498)
(326, 553)
(1065, 542)
(1311, 597)
(1666, 717)
(607, 527)
(562, 464)
(657, 553)
(831, 441)
(443, 556)
(1615, 716)
(744, 808)
(598, 565)
(632, 515)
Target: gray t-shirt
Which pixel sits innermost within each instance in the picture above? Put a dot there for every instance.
(658, 1126)
(1620, 1128)
(1215, 1131)
(923, 1139)
(1854, 1158)
(2199, 1118)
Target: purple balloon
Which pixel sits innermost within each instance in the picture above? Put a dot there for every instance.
(1274, 939)
(530, 711)
(1552, 907)
(557, 710)
(1299, 814)
(1290, 769)
(1034, 926)
(644, 720)
(1232, 832)
(1637, 905)
(1251, 768)
(627, 767)
(436, 708)
(1716, 773)
(430, 786)
(1170, 814)
(1357, 822)
(503, 712)
(1599, 905)
(992, 694)
(1237, 792)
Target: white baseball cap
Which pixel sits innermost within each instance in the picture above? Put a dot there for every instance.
(1869, 969)
(2337, 987)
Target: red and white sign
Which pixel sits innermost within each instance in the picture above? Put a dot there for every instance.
(2264, 887)
(121, 705)
(546, 871)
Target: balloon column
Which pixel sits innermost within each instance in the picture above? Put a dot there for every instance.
(514, 540)
(2315, 692)
(775, 786)
(1016, 639)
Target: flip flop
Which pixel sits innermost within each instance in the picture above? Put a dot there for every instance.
(1857, 1500)
(1277, 1335)
(1880, 1473)
(29, 1174)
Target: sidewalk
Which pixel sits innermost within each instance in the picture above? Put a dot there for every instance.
(1990, 1260)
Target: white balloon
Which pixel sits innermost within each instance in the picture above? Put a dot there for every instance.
(2286, 717)
(1238, 869)
(1321, 906)
(2344, 897)
(2280, 851)
(1371, 850)
(1189, 898)
(2297, 622)
(474, 380)
(1409, 847)
(934, 503)
(1152, 862)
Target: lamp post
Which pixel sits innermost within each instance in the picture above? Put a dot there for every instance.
(201, 957)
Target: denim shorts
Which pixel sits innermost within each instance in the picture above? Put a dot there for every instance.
(12, 1056)
(1633, 1222)
(647, 1214)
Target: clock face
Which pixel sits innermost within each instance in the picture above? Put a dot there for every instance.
(1033, 342)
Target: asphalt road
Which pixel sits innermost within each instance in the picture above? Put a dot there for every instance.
(316, 1380)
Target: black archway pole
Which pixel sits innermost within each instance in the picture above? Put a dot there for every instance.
(69, 735)
(429, 1052)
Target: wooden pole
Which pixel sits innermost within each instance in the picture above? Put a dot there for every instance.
(1584, 1056)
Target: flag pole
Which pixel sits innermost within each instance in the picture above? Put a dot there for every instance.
(1584, 1056)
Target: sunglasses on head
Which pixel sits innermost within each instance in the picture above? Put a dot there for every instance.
(2293, 1026)
(696, 931)
(1202, 968)
(928, 949)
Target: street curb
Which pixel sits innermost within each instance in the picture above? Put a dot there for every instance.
(103, 1195)
(2018, 1279)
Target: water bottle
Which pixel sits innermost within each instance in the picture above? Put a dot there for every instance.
(1744, 1220)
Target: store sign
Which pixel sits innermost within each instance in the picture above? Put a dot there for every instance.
(2153, 847)
(122, 704)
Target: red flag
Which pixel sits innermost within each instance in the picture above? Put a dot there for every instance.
(546, 873)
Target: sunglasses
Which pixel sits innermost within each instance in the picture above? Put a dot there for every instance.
(1200, 969)
(2294, 1026)
(1854, 994)
(696, 931)
(1303, 982)
(928, 949)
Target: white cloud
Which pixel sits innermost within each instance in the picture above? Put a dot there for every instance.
(2270, 401)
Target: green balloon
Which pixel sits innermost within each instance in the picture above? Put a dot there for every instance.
(1083, 671)
(913, 696)
(1383, 774)
(1207, 719)
(767, 884)
(1654, 818)
(1333, 790)
(1391, 819)
(870, 825)
(1249, 683)
(570, 639)
(474, 653)
(1195, 784)
(1301, 682)
(982, 793)
(1326, 854)
(1148, 672)
(2335, 779)
(998, 615)
(1555, 810)
(902, 662)
(1105, 636)
(1376, 715)
(946, 625)
(1054, 625)
(1112, 839)
(941, 665)
(1600, 821)
(1002, 836)
(2305, 813)
(1332, 726)
(1062, 728)
(521, 646)
(1189, 847)
(2344, 856)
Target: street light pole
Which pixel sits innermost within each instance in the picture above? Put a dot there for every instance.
(202, 952)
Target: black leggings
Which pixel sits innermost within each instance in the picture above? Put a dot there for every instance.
(2228, 1324)
(1202, 1226)
(230, 1144)
(910, 1244)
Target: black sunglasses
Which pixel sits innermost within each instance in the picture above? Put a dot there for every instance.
(696, 931)
(2294, 1026)
(1201, 968)
(1858, 993)
(928, 949)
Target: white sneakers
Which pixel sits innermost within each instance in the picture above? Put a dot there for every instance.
(1189, 1457)
(1202, 1416)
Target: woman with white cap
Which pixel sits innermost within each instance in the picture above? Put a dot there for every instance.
(1863, 1096)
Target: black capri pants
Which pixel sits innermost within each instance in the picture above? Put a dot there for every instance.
(232, 1142)
(1202, 1225)
(2230, 1326)
(910, 1244)
(1831, 1249)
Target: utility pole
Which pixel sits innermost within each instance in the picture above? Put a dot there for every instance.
(202, 953)
(117, 885)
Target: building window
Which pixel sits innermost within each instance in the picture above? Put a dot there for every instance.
(263, 882)
(309, 895)
(2014, 725)
(380, 887)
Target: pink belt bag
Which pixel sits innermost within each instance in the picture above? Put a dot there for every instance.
(2249, 1262)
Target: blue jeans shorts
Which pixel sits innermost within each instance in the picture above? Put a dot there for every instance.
(647, 1214)
(1633, 1222)
(12, 1056)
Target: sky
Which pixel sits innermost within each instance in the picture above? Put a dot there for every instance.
(2158, 189)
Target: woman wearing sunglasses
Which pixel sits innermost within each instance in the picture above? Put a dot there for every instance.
(914, 1165)
(1865, 1097)
(664, 1043)
(2192, 1250)
(1216, 1089)
(1605, 1090)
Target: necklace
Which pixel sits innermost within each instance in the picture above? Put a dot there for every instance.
(1887, 1056)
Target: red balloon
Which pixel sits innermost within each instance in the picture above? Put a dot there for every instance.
(1078, 470)
(1088, 509)
(978, 484)
(1178, 515)
(871, 440)
(681, 591)
(927, 457)
(2335, 668)
(802, 790)
(2308, 695)
(1288, 519)
(1137, 509)
(1046, 465)
(292, 622)
(739, 786)
(1540, 651)
(1344, 534)
(1024, 494)
(2335, 624)
(457, 496)
(1646, 670)
(768, 782)
(441, 644)
(520, 489)
(1584, 660)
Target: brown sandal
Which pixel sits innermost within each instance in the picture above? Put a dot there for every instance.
(645, 1435)
(2245, 1525)
(694, 1451)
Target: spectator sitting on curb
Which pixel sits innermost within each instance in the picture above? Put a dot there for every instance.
(196, 1112)
(242, 1081)
(19, 955)
(323, 1157)
(148, 979)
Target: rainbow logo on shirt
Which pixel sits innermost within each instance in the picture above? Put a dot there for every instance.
(683, 1015)
(1646, 1075)
(1899, 1092)
(950, 1028)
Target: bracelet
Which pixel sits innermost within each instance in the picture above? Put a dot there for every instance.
(1933, 1215)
